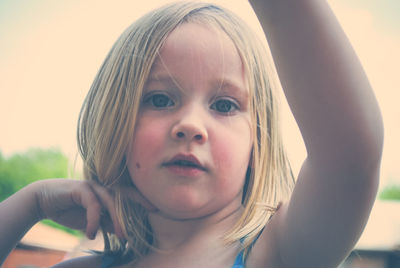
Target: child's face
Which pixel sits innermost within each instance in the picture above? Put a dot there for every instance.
(193, 141)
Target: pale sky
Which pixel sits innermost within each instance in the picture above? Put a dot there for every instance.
(50, 52)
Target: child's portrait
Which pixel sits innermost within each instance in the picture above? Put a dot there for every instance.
(180, 144)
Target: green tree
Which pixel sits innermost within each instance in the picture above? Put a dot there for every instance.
(21, 169)
(391, 192)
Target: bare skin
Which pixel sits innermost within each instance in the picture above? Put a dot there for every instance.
(340, 122)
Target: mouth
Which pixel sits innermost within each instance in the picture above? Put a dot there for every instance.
(185, 161)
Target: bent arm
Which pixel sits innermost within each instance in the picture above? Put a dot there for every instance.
(18, 214)
(339, 119)
(72, 203)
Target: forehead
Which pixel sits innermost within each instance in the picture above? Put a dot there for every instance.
(194, 50)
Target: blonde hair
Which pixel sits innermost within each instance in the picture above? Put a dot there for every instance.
(107, 121)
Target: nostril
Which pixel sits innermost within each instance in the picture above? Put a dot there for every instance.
(198, 137)
(180, 134)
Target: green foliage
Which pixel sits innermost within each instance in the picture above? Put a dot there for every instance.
(35, 164)
(391, 192)
(63, 228)
(21, 169)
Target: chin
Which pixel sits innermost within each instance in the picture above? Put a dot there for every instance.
(186, 212)
(183, 212)
(182, 215)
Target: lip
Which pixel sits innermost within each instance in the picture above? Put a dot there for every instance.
(194, 166)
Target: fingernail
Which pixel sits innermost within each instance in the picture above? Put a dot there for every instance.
(91, 236)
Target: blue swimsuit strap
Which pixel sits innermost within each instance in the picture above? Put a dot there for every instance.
(240, 260)
(108, 260)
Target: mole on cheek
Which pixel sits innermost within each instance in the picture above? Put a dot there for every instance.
(137, 165)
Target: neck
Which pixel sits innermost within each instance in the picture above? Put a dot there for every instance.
(173, 234)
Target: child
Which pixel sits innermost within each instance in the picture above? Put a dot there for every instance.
(183, 156)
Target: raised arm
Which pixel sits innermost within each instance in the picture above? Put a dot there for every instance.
(338, 116)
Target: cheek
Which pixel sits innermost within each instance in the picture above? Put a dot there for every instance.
(148, 142)
(233, 143)
(232, 154)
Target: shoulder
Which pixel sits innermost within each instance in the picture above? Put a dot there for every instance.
(86, 261)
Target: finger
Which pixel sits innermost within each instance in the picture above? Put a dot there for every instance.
(88, 199)
(107, 201)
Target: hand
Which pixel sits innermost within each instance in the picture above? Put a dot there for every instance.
(78, 204)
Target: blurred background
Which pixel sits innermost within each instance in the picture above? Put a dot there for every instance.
(50, 52)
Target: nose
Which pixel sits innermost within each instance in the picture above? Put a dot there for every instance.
(190, 128)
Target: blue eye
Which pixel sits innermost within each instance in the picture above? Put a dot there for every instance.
(160, 101)
(224, 106)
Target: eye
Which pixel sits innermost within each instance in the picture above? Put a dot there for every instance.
(159, 101)
(224, 106)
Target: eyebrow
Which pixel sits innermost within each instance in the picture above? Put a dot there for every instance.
(232, 87)
(224, 85)
(160, 78)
